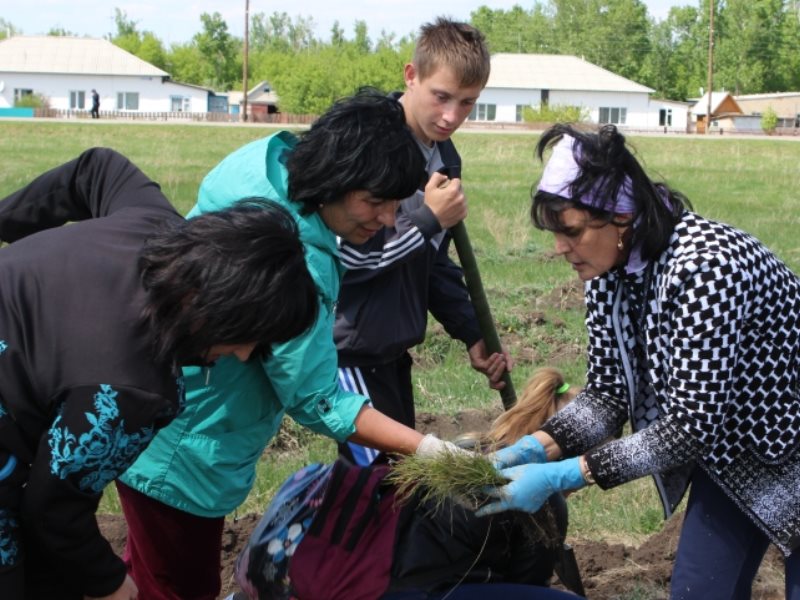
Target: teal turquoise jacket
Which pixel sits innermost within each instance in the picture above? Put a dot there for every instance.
(204, 461)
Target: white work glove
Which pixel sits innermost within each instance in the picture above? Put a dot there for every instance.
(432, 447)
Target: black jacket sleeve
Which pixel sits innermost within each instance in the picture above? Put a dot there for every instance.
(97, 183)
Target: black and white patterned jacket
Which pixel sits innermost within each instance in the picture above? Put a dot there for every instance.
(708, 374)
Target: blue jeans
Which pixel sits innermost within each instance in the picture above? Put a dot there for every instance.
(720, 549)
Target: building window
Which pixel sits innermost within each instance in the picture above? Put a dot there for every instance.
(665, 117)
(545, 98)
(520, 117)
(77, 99)
(127, 100)
(179, 104)
(20, 93)
(483, 112)
(615, 116)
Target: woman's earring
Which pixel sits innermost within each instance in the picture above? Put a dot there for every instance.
(620, 243)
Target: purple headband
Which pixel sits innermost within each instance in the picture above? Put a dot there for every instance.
(561, 170)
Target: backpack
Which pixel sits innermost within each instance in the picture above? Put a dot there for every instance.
(337, 523)
(262, 567)
(336, 532)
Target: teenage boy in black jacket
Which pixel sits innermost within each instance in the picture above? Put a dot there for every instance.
(404, 271)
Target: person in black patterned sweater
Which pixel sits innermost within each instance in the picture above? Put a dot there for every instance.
(96, 319)
(694, 336)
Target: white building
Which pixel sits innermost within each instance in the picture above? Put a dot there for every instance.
(65, 70)
(520, 80)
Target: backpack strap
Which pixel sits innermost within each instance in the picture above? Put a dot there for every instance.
(376, 496)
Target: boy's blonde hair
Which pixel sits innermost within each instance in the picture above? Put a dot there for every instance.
(459, 46)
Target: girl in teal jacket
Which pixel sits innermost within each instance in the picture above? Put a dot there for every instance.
(342, 178)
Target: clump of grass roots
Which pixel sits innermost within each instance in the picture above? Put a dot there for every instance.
(460, 476)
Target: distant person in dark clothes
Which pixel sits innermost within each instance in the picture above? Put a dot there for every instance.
(95, 105)
(96, 320)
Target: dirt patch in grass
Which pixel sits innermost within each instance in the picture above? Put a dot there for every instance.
(609, 571)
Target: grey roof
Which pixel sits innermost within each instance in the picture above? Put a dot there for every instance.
(71, 55)
(556, 72)
(770, 96)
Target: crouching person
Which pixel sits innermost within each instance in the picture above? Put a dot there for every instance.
(96, 321)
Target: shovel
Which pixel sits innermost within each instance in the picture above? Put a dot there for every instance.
(472, 277)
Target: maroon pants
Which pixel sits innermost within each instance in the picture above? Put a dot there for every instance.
(171, 554)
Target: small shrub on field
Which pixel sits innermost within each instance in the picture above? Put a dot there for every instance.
(769, 120)
(31, 101)
(556, 113)
(651, 521)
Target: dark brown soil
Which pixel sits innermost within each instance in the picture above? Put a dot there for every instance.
(609, 571)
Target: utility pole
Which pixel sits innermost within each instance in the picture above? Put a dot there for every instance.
(710, 81)
(244, 60)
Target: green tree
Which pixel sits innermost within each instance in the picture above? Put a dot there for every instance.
(152, 50)
(125, 26)
(361, 42)
(689, 44)
(143, 44)
(7, 29)
(221, 64)
(337, 34)
(788, 60)
(185, 63)
(61, 32)
(746, 57)
(516, 30)
(279, 33)
(613, 34)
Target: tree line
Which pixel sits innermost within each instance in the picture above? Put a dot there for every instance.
(756, 48)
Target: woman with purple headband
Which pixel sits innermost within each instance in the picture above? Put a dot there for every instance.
(694, 337)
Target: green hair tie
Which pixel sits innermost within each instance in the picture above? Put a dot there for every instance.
(562, 389)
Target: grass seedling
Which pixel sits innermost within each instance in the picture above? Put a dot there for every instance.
(459, 476)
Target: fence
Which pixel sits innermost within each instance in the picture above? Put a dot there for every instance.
(194, 117)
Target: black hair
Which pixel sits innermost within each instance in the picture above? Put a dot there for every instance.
(361, 143)
(606, 164)
(233, 276)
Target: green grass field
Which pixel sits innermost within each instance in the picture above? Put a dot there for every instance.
(750, 183)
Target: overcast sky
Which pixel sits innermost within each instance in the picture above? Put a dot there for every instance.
(179, 21)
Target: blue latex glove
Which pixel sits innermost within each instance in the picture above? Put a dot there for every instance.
(526, 449)
(532, 485)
